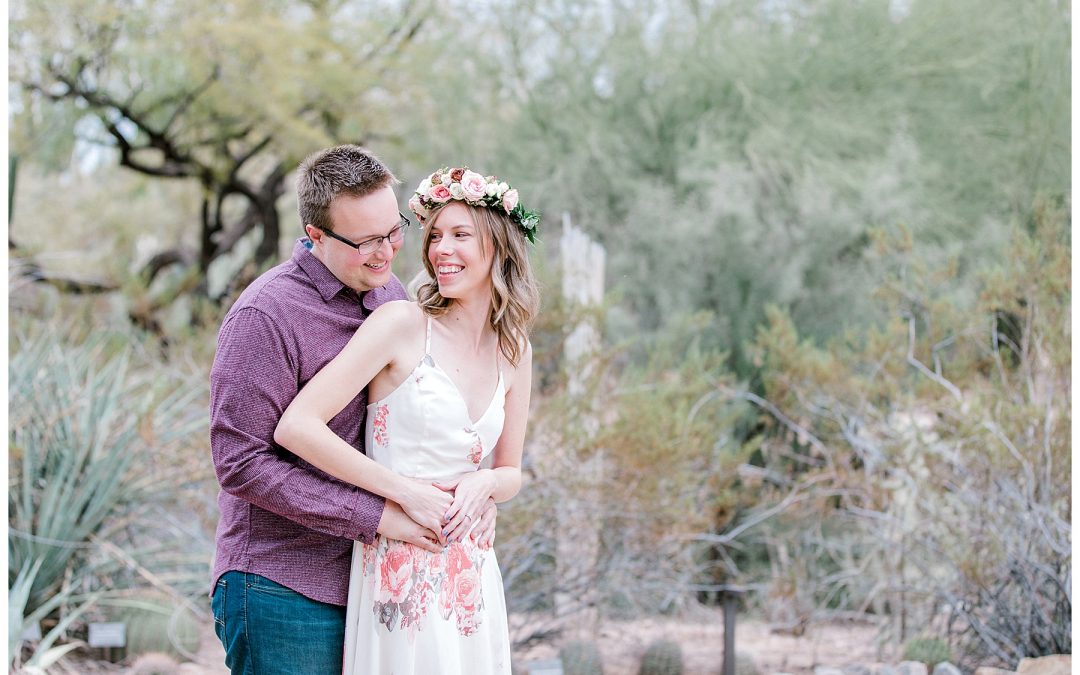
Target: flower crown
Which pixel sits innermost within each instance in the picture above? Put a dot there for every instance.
(476, 190)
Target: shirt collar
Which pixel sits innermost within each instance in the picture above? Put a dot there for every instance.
(327, 284)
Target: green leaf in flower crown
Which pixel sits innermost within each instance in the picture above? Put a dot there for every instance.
(528, 221)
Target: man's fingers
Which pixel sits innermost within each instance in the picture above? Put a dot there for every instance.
(427, 543)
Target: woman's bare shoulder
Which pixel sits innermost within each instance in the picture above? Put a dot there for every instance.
(398, 314)
(522, 371)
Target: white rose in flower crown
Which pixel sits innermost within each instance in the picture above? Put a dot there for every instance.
(491, 189)
(446, 179)
(425, 185)
(510, 199)
(503, 187)
(473, 185)
(456, 191)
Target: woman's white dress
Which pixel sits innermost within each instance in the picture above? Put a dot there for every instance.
(411, 611)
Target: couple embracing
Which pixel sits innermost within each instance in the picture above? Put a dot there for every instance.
(330, 559)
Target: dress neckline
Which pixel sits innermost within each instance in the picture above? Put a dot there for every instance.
(428, 358)
(461, 397)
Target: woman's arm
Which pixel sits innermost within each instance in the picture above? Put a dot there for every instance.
(303, 427)
(503, 480)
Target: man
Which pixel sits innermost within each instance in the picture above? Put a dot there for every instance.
(286, 529)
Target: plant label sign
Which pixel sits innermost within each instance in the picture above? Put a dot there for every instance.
(107, 635)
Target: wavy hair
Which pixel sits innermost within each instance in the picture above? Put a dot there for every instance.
(515, 298)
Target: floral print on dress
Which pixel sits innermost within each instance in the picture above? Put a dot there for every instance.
(411, 580)
(380, 434)
(476, 452)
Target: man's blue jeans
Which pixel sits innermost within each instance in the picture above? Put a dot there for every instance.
(267, 628)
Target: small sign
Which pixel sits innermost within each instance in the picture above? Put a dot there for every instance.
(107, 635)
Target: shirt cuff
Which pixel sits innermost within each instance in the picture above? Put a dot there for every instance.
(367, 509)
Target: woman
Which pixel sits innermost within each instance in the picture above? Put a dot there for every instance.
(449, 378)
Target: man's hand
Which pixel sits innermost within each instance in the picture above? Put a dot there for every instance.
(395, 524)
(484, 532)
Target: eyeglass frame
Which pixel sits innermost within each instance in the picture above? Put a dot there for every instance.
(403, 225)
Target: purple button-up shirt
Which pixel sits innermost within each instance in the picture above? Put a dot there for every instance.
(281, 517)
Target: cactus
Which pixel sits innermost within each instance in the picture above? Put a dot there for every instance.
(157, 627)
(581, 658)
(930, 651)
(663, 657)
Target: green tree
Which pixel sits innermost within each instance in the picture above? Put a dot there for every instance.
(731, 155)
(228, 95)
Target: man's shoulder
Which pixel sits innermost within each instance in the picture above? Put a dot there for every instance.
(279, 288)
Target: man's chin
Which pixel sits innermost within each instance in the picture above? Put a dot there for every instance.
(372, 279)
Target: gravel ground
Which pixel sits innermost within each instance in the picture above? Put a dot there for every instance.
(622, 644)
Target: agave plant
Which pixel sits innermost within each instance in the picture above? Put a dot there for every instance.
(44, 654)
(86, 432)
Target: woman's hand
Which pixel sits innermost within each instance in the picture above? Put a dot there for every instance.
(426, 504)
(483, 534)
(471, 492)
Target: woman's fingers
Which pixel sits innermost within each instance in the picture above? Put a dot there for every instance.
(458, 525)
(484, 532)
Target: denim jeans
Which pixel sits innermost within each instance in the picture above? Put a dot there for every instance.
(268, 629)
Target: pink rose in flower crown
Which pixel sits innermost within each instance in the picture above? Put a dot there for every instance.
(474, 186)
(397, 568)
(439, 194)
(510, 200)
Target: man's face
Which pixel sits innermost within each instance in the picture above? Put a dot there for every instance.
(359, 219)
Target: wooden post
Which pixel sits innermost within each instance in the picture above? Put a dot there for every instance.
(731, 595)
(577, 546)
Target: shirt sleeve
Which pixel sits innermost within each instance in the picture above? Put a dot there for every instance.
(252, 381)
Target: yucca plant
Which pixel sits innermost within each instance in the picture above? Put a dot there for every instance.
(84, 442)
(44, 654)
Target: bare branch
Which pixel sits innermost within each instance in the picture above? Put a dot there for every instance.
(952, 388)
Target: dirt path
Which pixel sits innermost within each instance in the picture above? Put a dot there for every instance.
(623, 643)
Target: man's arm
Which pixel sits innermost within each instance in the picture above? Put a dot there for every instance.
(252, 381)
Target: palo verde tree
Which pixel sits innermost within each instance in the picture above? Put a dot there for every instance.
(735, 154)
(230, 95)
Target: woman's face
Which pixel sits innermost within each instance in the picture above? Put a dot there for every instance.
(461, 261)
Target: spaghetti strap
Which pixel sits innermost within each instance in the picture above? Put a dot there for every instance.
(427, 340)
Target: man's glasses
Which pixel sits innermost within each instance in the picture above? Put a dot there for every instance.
(369, 246)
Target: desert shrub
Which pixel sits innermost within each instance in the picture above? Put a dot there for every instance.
(932, 443)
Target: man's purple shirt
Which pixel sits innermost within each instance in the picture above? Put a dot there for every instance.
(282, 518)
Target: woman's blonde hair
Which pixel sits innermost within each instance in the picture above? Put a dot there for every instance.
(515, 298)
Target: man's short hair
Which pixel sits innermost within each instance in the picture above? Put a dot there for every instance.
(342, 170)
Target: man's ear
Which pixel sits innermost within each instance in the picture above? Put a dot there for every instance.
(313, 233)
